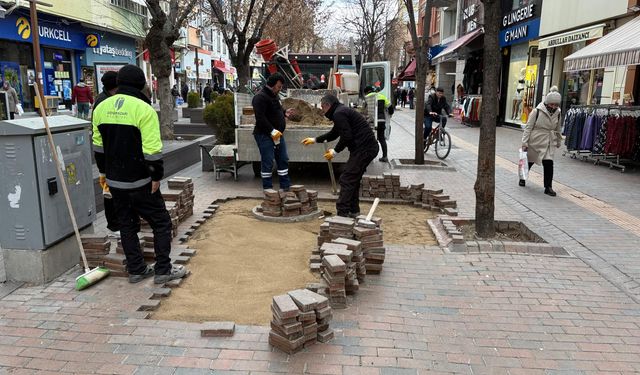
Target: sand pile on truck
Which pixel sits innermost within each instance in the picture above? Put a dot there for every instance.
(306, 114)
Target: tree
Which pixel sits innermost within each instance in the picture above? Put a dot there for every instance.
(164, 31)
(370, 21)
(298, 25)
(242, 23)
(485, 178)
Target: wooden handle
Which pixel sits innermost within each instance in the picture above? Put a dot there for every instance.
(373, 208)
(57, 161)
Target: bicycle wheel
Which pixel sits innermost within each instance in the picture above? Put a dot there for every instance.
(443, 145)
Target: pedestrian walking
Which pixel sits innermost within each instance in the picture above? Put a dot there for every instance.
(383, 126)
(542, 135)
(12, 97)
(175, 93)
(404, 97)
(269, 132)
(82, 98)
(128, 153)
(411, 96)
(206, 93)
(356, 135)
(184, 91)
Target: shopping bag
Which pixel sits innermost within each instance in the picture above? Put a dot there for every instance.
(74, 110)
(523, 165)
(19, 109)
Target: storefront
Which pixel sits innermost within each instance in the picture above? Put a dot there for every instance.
(197, 67)
(110, 53)
(521, 60)
(62, 47)
(577, 87)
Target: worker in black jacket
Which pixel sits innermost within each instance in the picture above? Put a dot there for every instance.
(355, 134)
(436, 103)
(268, 132)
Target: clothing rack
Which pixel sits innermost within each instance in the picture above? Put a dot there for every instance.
(471, 106)
(593, 131)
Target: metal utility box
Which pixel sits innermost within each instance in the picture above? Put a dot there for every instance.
(33, 211)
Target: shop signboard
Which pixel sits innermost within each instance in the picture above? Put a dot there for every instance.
(521, 24)
(519, 33)
(112, 49)
(52, 32)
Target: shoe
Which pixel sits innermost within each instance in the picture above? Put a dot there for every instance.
(177, 272)
(384, 159)
(549, 191)
(522, 182)
(148, 272)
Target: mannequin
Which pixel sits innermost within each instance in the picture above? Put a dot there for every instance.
(516, 110)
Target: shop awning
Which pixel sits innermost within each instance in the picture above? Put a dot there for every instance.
(449, 52)
(409, 72)
(224, 70)
(619, 48)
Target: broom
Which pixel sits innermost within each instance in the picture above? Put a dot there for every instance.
(89, 277)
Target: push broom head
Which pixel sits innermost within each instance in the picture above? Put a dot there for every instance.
(89, 278)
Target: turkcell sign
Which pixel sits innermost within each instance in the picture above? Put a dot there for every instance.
(18, 27)
(519, 33)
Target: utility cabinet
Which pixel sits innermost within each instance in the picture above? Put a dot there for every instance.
(33, 211)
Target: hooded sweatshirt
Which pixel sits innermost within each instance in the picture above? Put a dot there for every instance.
(81, 94)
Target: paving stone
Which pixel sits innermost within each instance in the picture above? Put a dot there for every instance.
(217, 329)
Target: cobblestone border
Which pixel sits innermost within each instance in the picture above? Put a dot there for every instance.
(450, 238)
(433, 165)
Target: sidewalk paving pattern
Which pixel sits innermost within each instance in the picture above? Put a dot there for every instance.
(429, 311)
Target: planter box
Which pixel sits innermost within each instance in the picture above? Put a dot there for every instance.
(196, 116)
(186, 112)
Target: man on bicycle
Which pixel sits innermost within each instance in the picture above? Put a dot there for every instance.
(436, 103)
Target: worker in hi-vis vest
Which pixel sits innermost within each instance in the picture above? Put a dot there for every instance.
(383, 127)
(128, 152)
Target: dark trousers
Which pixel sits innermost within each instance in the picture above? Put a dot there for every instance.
(381, 139)
(130, 206)
(349, 200)
(268, 152)
(547, 167)
(12, 115)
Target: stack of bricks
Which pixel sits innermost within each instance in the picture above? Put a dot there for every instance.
(300, 319)
(298, 201)
(342, 251)
(388, 186)
(185, 184)
(334, 274)
(357, 258)
(95, 248)
(369, 233)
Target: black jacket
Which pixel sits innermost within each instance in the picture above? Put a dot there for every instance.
(436, 105)
(353, 129)
(268, 111)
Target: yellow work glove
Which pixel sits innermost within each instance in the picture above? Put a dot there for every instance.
(308, 141)
(275, 135)
(102, 180)
(329, 154)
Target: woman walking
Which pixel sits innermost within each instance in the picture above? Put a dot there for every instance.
(542, 136)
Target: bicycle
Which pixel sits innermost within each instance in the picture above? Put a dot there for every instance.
(440, 138)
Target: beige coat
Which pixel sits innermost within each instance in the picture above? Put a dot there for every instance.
(542, 137)
(12, 97)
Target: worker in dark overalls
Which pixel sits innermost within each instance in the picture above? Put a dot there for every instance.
(356, 135)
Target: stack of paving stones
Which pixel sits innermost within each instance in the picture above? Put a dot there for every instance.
(358, 260)
(298, 201)
(369, 233)
(388, 186)
(334, 274)
(95, 248)
(300, 319)
(185, 184)
(385, 186)
(342, 251)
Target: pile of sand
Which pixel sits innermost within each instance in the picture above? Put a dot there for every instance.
(306, 114)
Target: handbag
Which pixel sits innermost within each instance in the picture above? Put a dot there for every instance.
(19, 109)
(523, 165)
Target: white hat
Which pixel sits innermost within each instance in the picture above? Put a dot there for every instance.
(553, 97)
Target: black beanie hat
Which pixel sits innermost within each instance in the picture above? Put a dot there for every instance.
(131, 75)
(110, 80)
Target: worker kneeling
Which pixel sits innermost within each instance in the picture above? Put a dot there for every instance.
(356, 135)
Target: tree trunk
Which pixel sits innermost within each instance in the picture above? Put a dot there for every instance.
(486, 179)
(166, 107)
(421, 77)
(244, 74)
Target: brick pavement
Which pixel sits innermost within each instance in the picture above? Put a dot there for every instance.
(428, 312)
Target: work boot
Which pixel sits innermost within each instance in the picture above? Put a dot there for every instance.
(148, 272)
(384, 159)
(177, 272)
(549, 191)
(522, 182)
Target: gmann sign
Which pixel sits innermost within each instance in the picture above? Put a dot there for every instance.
(519, 26)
